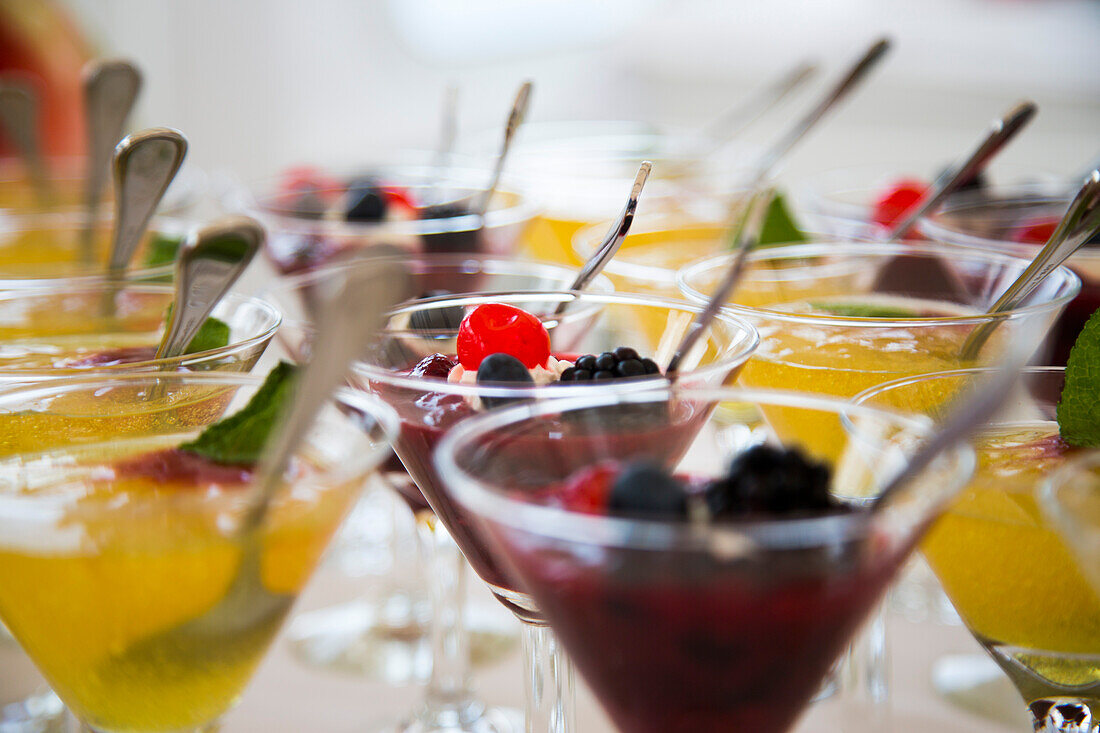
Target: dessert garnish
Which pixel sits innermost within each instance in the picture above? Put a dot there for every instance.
(893, 206)
(762, 482)
(1079, 408)
(162, 250)
(864, 310)
(212, 334)
(622, 363)
(779, 226)
(494, 328)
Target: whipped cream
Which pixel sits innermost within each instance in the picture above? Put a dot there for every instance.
(540, 375)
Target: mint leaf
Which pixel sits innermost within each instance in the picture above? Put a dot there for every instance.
(1079, 409)
(779, 226)
(239, 439)
(163, 249)
(863, 310)
(212, 334)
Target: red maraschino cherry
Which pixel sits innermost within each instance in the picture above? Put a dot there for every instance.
(898, 201)
(494, 328)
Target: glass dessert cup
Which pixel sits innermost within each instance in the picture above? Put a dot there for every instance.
(841, 202)
(1018, 220)
(404, 633)
(108, 551)
(298, 242)
(690, 625)
(64, 331)
(994, 547)
(430, 407)
(37, 249)
(67, 182)
(890, 311)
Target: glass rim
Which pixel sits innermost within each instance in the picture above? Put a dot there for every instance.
(1069, 288)
(274, 319)
(656, 534)
(45, 507)
(522, 210)
(12, 222)
(864, 397)
(444, 261)
(374, 373)
(187, 187)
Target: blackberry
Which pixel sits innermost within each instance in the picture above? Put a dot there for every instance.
(436, 319)
(622, 363)
(769, 480)
(366, 201)
(647, 490)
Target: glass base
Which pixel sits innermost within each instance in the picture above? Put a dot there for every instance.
(976, 684)
(472, 718)
(354, 638)
(40, 713)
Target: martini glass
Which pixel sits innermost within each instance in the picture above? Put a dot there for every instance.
(1003, 563)
(1016, 219)
(430, 407)
(302, 240)
(388, 632)
(884, 311)
(105, 552)
(690, 625)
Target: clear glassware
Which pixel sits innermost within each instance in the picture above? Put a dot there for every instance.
(300, 240)
(110, 567)
(430, 407)
(707, 626)
(1018, 220)
(355, 642)
(840, 202)
(64, 331)
(1003, 562)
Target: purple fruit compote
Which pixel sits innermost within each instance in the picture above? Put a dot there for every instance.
(708, 598)
(492, 354)
(314, 218)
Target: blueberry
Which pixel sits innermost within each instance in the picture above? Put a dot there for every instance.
(366, 201)
(437, 318)
(630, 368)
(646, 490)
(587, 362)
(603, 374)
(769, 480)
(582, 375)
(605, 361)
(651, 366)
(501, 368)
(625, 353)
(434, 365)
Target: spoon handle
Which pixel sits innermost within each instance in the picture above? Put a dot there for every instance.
(615, 235)
(732, 122)
(19, 118)
(515, 119)
(144, 165)
(855, 75)
(110, 88)
(1080, 222)
(744, 239)
(208, 264)
(1000, 133)
(345, 326)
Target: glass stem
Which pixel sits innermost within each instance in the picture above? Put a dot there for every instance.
(550, 690)
(1062, 715)
(449, 697)
(865, 683)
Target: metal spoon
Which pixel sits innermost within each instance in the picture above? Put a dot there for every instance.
(1081, 221)
(1000, 133)
(744, 113)
(614, 238)
(209, 262)
(19, 117)
(144, 165)
(249, 610)
(745, 238)
(110, 88)
(515, 119)
(783, 145)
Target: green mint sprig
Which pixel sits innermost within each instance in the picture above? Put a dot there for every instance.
(1079, 409)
